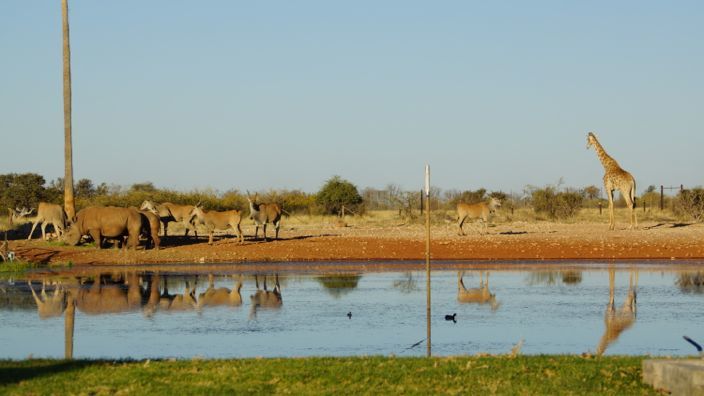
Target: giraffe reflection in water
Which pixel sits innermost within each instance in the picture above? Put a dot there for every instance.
(618, 320)
(478, 295)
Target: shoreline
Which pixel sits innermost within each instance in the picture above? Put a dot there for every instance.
(542, 242)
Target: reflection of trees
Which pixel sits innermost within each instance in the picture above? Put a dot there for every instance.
(691, 282)
(571, 277)
(407, 284)
(550, 278)
(338, 285)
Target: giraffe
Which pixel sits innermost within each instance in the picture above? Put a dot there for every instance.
(615, 178)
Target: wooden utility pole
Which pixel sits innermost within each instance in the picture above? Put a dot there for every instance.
(69, 204)
(427, 254)
(69, 324)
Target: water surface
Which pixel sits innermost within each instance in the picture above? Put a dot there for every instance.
(175, 314)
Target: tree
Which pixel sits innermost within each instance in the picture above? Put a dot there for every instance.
(21, 190)
(336, 193)
(85, 189)
(147, 187)
(592, 192)
(69, 203)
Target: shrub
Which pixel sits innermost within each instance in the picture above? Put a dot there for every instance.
(336, 193)
(556, 204)
(691, 203)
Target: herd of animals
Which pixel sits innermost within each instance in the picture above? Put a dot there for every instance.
(129, 224)
(102, 223)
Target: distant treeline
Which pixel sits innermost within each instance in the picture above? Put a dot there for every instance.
(553, 201)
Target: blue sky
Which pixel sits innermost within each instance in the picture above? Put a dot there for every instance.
(258, 95)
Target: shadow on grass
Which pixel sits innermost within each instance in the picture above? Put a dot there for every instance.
(12, 372)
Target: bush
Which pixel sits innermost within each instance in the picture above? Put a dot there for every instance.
(691, 203)
(336, 193)
(556, 204)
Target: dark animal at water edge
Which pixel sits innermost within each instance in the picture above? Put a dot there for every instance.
(106, 222)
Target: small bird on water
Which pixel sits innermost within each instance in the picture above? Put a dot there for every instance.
(452, 317)
(349, 315)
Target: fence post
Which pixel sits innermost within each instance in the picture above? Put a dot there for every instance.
(599, 208)
(421, 202)
(662, 197)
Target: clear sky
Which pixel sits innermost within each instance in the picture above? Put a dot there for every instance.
(284, 94)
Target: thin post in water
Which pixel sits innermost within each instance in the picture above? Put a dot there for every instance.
(427, 254)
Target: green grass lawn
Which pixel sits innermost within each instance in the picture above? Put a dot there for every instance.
(353, 375)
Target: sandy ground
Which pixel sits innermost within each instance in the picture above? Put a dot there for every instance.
(510, 241)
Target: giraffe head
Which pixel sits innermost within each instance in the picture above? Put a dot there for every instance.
(591, 140)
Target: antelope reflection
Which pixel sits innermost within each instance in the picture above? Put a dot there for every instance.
(477, 295)
(213, 297)
(618, 320)
(185, 301)
(265, 298)
(49, 305)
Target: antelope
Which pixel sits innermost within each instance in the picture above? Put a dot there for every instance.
(481, 210)
(618, 321)
(169, 212)
(480, 295)
(219, 221)
(17, 214)
(263, 213)
(46, 213)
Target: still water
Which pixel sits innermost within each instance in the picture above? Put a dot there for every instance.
(228, 314)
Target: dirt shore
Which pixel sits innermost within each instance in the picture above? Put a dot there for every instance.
(511, 242)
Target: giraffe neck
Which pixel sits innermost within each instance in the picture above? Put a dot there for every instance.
(606, 161)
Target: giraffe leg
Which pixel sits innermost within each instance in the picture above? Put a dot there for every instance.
(629, 196)
(610, 194)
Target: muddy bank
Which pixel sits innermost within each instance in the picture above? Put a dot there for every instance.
(516, 241)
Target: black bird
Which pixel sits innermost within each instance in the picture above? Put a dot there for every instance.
(696, 345)
(452, 317)
(349, 315)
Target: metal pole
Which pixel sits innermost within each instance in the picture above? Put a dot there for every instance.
(427, 255)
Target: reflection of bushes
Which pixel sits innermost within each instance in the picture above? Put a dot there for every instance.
(691, 282)
(337, 285)
(571, 277)
(552, 277)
